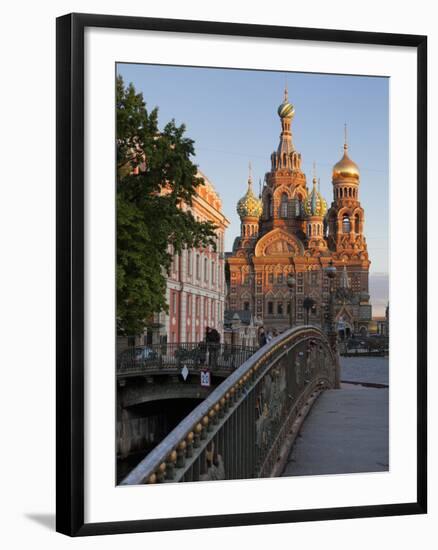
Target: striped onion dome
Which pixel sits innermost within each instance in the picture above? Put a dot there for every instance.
(286, 109)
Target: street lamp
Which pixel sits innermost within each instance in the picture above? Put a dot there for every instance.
(330, 271)
(308, 304)
(291, 284)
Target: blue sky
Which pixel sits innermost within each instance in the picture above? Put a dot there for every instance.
(232, 117)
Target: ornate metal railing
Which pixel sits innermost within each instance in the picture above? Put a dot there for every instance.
(241, 429)
(141, 360)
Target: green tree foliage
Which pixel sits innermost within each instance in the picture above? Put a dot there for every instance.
(155, 177)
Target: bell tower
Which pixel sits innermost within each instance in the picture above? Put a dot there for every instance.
(285, 189)
(346, 216)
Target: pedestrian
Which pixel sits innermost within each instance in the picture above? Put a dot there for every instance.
(213, 339)
(262, 337)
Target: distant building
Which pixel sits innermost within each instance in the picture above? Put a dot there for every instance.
(241, 329)
(195, 289)
(290, 231)
(380, 325)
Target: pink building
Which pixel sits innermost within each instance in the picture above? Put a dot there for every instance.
(196, 284)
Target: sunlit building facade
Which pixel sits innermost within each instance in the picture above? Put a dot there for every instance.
(195, 289)
(289, 232)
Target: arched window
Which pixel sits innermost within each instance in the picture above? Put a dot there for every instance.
(283, 205)
(357, 223)
(270, 208)
(346, 226)
(205, 270)
(189, 263)
(298, 203)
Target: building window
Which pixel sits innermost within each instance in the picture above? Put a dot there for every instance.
(205, 270)
(283, 205)
(198, 305)
(246, 306)
(314, 279)
(198, 266)
(270, 308)
(174, 303)
(189, 262)
(280, 308)
(213, 273)
(280, 278)
(357, 224)
(270, 278)
(346, 224)
(189, 305)
(206, 307)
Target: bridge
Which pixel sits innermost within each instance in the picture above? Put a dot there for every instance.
(157, 386)
(246, 426)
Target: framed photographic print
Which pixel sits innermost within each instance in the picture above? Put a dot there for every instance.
(241, 274)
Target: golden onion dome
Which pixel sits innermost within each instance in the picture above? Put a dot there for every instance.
(315, 204)
(346, 168)
(286, 109)
(249, 206)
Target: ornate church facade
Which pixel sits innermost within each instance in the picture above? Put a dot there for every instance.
(289, 235)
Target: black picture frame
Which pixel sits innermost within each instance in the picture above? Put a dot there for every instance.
(70, 273)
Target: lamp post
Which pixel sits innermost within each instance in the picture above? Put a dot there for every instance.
(330, 271)
(291, 284)
(308, 304)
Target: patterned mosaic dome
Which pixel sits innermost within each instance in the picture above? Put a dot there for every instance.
(286, 109)
(315, 204)
(249, 206)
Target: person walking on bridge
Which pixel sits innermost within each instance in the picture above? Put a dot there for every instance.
(262, 337)
(213, 340)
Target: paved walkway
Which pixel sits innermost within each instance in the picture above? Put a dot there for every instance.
(345, 432)
(374, 370)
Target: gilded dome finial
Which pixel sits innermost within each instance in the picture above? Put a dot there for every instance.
(249, 173)
(345, 168)
(314, 174)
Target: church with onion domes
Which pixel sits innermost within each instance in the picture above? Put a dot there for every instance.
(289, 235)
